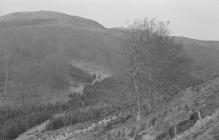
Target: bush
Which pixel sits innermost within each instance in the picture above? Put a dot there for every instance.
(142, 126)
(77, 116)
(152, 121)
(55, 124)
(132, 132)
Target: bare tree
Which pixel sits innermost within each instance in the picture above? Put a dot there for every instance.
(154, 60)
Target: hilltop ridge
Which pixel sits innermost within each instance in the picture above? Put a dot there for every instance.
(22, 19)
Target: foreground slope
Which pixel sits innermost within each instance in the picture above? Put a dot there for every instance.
(193, 114)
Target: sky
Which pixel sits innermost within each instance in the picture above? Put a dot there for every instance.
(197, 19)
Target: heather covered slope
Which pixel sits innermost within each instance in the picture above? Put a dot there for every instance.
(46, 40)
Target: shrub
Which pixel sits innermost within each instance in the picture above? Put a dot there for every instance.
(142, 126)
(138, 137)
(132, 132)
(153, 121)
(77, 116)
(55, 124)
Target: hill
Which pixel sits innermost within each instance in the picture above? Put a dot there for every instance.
(49, 39)
(23, 19)
(44, 54)
(204, 53)
(45, 35)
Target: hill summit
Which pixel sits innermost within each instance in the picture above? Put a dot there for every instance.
(22, 19)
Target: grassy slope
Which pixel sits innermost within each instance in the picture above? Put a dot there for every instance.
(76, 37)
(204, 53)
(166, 116)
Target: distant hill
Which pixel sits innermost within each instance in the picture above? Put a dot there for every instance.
(204, 53)
(22, 19)
(54, 38)
(84, 38)
(190, 41)
(79, 37)
(54, 35)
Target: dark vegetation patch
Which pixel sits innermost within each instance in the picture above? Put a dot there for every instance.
(210, 104)
(186, 124)
(78, 74)
(110, 90)
(78, 116)
(13, 122)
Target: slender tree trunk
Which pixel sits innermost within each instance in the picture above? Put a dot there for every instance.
(175, 131)
(136, 91)
(150, 103)
(149, 107)
(139, 111)
(6, 74)
(136, 88)
(199, 115)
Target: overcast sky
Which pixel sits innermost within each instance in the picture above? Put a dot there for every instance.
(192, 18)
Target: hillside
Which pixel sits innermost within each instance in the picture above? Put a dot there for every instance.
(204, 53)
(192, 115)
(40, 36)
(47, 57)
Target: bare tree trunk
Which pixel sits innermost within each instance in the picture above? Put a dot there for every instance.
(149, 107)
(136, 91)
(136, 88)
(199, 115)
(139, 111)
(175, 131)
